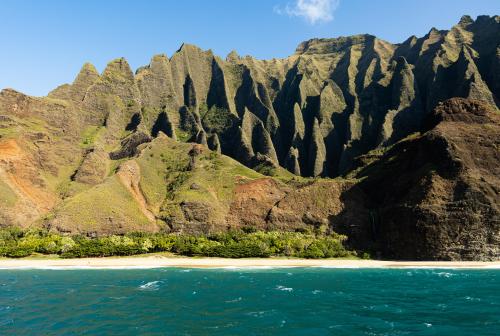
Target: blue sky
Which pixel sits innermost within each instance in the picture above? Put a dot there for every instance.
(44, 43)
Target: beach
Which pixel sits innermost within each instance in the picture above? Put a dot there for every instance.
(158, 261)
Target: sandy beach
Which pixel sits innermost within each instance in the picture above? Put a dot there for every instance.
(157, 261)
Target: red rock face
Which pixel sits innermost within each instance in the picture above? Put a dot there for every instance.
(20, 173)
(252, 202)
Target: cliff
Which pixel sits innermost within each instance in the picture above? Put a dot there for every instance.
(199, 143)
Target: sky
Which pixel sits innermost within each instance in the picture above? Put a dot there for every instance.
(45, 43)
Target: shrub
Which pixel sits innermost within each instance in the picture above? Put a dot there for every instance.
(217, 119)
(66, 244)
(313, 251)
(19, 252)
(231, 244)
(162, 243)
(240, 250)
(11, 233)
(365, 255)
(249, 229)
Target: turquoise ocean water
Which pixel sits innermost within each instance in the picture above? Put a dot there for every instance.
(282, 301)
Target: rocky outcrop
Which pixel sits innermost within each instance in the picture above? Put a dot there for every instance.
(129, 146)
(322, 205)
(214, 143)
(317, 152)
(406, 113)
(436, 195)
(94, 167)
(87, 77)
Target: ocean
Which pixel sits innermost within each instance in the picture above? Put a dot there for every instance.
(260, 301)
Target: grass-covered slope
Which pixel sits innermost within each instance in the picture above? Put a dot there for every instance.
(106, 208)
(185, 182)
(171, 186)
(168, 185)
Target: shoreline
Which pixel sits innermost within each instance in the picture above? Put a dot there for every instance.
(158, 261)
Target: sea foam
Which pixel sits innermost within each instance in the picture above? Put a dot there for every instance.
(152, 285)
(285, 289)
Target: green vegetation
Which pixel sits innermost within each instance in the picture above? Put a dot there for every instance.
(167, 177)
(7, 196)
(16, 243)
(14, 126)
(96, 205)
(276, 172)
(182, 136)
(368, 163)
(217, 119)
(90, 135)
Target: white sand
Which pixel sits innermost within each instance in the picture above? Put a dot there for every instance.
(155, 261)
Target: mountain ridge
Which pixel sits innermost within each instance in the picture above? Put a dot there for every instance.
(263, 83)
(327, 111)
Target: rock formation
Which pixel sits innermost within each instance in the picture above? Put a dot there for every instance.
(364, 93)
(436, 195)
(109, 153)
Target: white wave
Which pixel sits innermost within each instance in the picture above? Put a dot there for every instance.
(444, 274)
(261, 313)
(285, 289)
(238, 299)
(470, 298)
(152, 285)
(433, 267)
(340, 266)
(424, 267)
(251, 268)
(187, 268)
